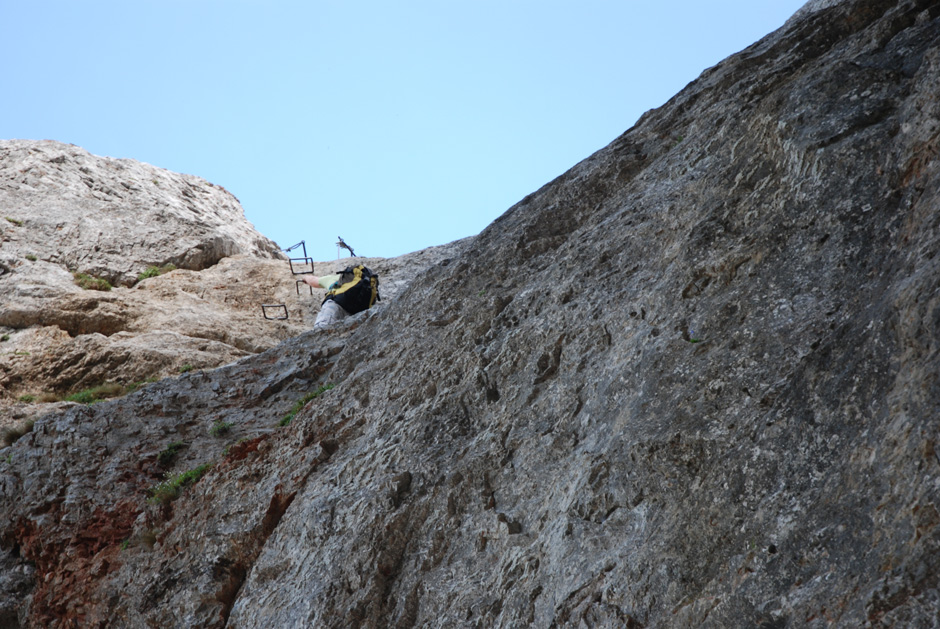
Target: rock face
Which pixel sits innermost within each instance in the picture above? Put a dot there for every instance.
(691, 382)
(113, 218)
(66, 210)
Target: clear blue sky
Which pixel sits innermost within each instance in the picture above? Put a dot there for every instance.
(396, 125)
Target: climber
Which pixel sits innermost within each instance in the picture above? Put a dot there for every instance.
(351, 291)
(330, 311)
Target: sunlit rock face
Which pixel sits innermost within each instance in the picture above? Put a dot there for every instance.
(68, 212)
(691, 382)
(113, 218)
(64, 211)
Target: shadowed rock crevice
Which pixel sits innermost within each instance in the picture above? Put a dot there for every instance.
(206, 254)
(232, 575)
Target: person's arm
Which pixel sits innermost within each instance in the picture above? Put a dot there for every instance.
(320, 282)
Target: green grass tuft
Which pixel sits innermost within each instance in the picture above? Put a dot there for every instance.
(82, 397)
(154, 271)
(88, 282)
(219, 428)
(303, 402)
(170, 489)
(15, 221)
(96, 394)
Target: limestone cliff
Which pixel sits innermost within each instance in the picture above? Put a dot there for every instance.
(64, 211)
(691, 382)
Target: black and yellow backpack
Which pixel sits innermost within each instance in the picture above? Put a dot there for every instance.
(356, 290)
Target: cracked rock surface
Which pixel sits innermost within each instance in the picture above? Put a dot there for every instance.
(691, 382)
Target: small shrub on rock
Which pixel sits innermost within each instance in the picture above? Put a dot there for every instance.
(169, 489)
(82, 397)
(154, 271)
(219, 428)
(83, 280)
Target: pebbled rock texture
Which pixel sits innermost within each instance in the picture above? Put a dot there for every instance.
(691, 382)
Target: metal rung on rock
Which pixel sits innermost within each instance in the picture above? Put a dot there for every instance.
(306, 261)
(297, 286)
(264, 311)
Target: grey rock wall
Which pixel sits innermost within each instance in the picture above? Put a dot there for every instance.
(691, 382)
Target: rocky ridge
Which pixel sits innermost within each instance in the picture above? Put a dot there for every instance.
(691, 382)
